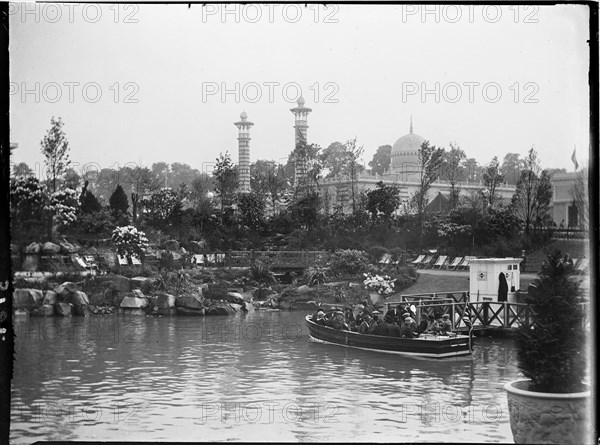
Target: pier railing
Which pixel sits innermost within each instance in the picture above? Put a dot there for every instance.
(480, 314)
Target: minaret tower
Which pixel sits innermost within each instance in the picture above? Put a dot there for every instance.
(301, 127)
(244, 153)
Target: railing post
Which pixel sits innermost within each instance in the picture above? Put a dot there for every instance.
(506, 318)
(453, 312)
(485, 307)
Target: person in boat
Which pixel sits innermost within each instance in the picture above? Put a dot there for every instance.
(368, 307)
(349, 316)
(409, 327)
(374, 323)
(365, 325)
(395, 313)
(445, 325)
(359, 316)
(319, 318)
(338, 321)
(427, 324)
(388, 327)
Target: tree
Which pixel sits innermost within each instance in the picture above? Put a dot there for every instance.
(383, 201)
(118, 201)
(453, 171)
(252, 209)
(511, 168)
(579, 192)
(55, 148)
(305, 210)
(267, 178)
(492, 179)
(473, 170)
(526, 194)
(381, 159)
(305, 157)
(162, 209)
(27, 207)
(353, 153)
(142, 180)
(22, 169)
(87, 201)
(334, 159)
(225, 176)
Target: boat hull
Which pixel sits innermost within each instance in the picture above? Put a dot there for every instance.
(433, 347)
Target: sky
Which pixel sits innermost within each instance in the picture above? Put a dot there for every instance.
(138, 84)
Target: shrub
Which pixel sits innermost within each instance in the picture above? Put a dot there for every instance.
(552, 347)
(348, 262)
(376, 252)
(130, 241)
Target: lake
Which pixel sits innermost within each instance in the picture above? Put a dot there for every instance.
(253, 377)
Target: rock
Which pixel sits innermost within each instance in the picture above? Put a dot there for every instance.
(238, 307)
(328, 307)
(83, 310)
(183, 251)
(248, 307)
(27, 298)
(67, 288)
(33, 248)
(132, 302)
(305, 306)
(50, 248)
(284, 305)
(171, 245)
(305, 290)
(162, 300)
(120, 284)
(220, 310)
(47, 310)
(21, 313)
(189, 311)
(138, 293)
(273, 303)
(67, 247)
(131, 312)
(263, 294)
(30, 263)
(79, 298)
(203, 288)
(235, 297)
(189, 301)
(63, 309)
(50, 297)
(138, 282)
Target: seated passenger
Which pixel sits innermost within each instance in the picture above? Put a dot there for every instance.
(374, 323)
(409, 327)
(392, 328)
(446, 325)
(425, 322)
(319, 318)
(348, 315)
(338, 321)
(365, 324)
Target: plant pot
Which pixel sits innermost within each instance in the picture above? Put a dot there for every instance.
(539, 417)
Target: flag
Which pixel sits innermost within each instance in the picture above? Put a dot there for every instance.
(574, 158)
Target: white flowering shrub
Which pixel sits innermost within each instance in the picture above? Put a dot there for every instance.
(26, 192)
(130, 241)
(64, 205)
(383, 285)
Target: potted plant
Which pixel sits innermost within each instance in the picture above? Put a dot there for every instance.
(552, 404)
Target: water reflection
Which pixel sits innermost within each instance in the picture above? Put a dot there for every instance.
(253, 377)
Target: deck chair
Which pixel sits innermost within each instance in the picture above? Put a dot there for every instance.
(122, 260)
(80, 261)
(220, 258)
(91, 261)
(441, 261)
(135, 260)
(455, 262)
(210, 258)
(199, 259)
(429, 264)
(425, 262)
(385, 259)
(419, 260)
(466, 262)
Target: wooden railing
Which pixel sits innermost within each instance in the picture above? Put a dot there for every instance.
(275, 258)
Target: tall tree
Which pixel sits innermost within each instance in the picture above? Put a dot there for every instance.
(267, 178)
(473, 170)
(383, 201)
(511, 168)
(118, 201)
(21, 169)
(381, 159)
(55, 148)
(453, 171)
(526, 194)
(225, 176)
(306, 155)
(492, 179)
(252, 210)
(141, 180)
(353, 153)
(334, 159)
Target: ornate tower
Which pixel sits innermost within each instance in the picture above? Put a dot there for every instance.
(301, 126)
(244, 153)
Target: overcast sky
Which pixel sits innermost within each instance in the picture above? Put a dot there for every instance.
(506, 78)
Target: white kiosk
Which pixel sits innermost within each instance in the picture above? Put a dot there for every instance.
(484, 278)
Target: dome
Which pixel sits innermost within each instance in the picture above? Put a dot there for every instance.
(405, 152)
(301, 101)
(243, 116)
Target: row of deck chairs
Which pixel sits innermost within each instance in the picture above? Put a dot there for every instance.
(209, 259)
(442, 262)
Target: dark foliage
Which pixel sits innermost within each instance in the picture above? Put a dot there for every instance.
(118, 200)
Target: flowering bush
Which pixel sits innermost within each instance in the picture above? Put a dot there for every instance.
(376, 283)
(64, 205)
(129, 241)
(348, 262)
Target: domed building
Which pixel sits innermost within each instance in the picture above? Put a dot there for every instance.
(405, 155)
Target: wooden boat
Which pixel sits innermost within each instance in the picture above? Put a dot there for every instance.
(426, 346)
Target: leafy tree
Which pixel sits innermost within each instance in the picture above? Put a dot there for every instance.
(55, 148)
(64, 205)
(511, 168)
(162, 208)
(453, 171)
(72, 180)
(22, 169)
(334, 159)
(353, 153)
(531, 197)
(492, 179)
(383, 201)
(252, 210)
(305, 210)
(268, 179)
(381, 159)
(141, 180)
(225, 176)
(473, 170)
(27, 206)
(118, 201)
(130, 241)
(87, 201)
(182, 174)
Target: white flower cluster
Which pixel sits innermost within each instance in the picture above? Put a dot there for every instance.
(382, 285)
(64, 205)
(129, 240)
(26, 190)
